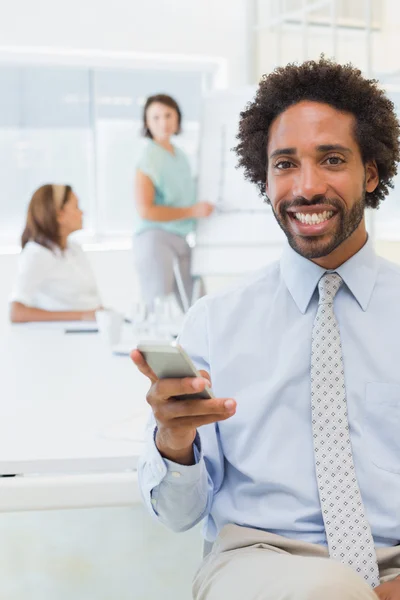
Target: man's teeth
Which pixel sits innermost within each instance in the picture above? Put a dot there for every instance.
(313, 219)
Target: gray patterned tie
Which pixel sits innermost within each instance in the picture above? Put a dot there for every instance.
(347, 529)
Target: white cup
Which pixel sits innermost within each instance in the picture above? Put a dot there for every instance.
(110, 324)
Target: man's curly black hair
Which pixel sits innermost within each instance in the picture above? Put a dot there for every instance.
(341, 86)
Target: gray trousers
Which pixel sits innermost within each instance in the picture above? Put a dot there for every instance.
(156, 251)
(249, 564)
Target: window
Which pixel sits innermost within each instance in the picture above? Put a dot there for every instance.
(297, 30)
(119, 99)
(82, 127)
(348, 14)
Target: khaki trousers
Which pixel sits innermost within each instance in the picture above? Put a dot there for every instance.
(249, 564)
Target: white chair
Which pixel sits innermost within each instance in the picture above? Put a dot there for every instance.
(198, 288)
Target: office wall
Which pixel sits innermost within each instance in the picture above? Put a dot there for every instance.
(201, 27)
(388, 49)
(381, 48)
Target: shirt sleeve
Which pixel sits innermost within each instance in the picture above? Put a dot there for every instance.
(34, 265)
(148, 164)
(175, 494)
(178, 495)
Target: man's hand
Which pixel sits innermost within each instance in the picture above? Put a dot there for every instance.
(177, 420)
(389, 590)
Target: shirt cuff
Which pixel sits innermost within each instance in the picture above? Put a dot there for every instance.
(184, 474)
(167, 470)
(158, 475)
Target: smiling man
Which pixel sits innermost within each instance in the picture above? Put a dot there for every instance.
(319, 181)
(332, 175)
(295, 464)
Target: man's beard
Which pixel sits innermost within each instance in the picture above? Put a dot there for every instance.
(312, 246)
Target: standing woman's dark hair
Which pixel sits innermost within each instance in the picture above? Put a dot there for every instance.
(167, 101)
(41, 222)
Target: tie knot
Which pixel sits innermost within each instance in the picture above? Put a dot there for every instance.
(328, 287)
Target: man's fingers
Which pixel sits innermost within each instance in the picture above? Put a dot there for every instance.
(205, 375)
(196, 422)
(164, 389)
(199, 408)
(142, 365)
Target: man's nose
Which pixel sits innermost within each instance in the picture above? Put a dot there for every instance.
(309, 182)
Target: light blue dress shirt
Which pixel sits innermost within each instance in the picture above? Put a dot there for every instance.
(173, 184)
(257, 468)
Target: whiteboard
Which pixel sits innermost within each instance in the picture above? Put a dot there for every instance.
(242, 234)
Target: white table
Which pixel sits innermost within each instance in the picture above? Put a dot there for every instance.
(64, 402)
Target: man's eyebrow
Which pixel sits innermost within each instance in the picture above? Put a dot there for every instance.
(331, 147)
(321, 148)
(289, 151)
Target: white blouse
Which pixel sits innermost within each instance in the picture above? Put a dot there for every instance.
(55, 280)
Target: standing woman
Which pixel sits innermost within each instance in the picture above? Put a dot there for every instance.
(55, 281)
(165, 204)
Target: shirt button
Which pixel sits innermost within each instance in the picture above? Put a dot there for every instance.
(175, 474)
(159, 468)
(153, 501)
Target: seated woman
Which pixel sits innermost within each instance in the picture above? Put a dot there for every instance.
(55, 281)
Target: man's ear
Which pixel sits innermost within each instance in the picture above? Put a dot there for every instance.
(371, 176)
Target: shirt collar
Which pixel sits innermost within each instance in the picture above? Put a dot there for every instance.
(301, 275)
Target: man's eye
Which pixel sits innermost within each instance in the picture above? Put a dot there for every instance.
(334, 160)
(283, 164)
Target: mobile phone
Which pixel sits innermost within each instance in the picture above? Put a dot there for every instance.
(169, 360)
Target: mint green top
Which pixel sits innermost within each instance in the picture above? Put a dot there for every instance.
(173, 184)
